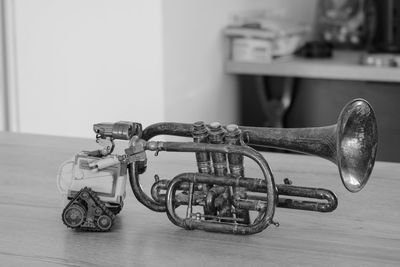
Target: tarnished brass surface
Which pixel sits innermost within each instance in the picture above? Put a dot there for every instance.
(226, 196)
(351, 143)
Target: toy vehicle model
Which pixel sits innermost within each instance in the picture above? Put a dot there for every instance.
(96, 181)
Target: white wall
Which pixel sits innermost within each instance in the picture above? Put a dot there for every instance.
(196, 87)
(2, 73)
(82, 62)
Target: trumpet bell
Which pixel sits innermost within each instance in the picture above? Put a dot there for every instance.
(357, 142)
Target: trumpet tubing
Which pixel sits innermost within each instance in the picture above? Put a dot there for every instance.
(223, 191)
(220, 223)
(351, 144)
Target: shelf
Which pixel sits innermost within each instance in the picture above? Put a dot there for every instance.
(343, 66)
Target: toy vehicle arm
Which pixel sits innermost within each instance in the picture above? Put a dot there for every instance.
(104, 163)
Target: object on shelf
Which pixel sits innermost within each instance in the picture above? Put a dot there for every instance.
(381, 60)
(316, 49)
(251, 50)
(278, 43)
(345, 23)
(387, 34)
(261, 39)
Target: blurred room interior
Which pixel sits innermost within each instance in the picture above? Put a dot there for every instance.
(68, 64)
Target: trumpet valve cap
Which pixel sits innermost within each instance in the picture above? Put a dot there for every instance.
(215, 125)
(232, 127)
(198, 124)
(233, 130)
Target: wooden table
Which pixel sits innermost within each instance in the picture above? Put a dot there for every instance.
(364, 229)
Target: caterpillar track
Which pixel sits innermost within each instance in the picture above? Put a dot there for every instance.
(87, 212)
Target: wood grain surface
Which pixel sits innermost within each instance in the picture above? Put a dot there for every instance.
(363, 231)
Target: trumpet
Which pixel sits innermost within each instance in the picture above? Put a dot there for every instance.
(218, 196)
(226, 196)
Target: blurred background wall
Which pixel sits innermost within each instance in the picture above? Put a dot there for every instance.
(74, 63)
(196, 87)
(81, 62)
(3, 107)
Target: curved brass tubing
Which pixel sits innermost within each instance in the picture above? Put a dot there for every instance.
(265, 214)
(140, 195)
(351, 144)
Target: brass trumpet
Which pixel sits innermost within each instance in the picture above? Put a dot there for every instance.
(220, 187)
